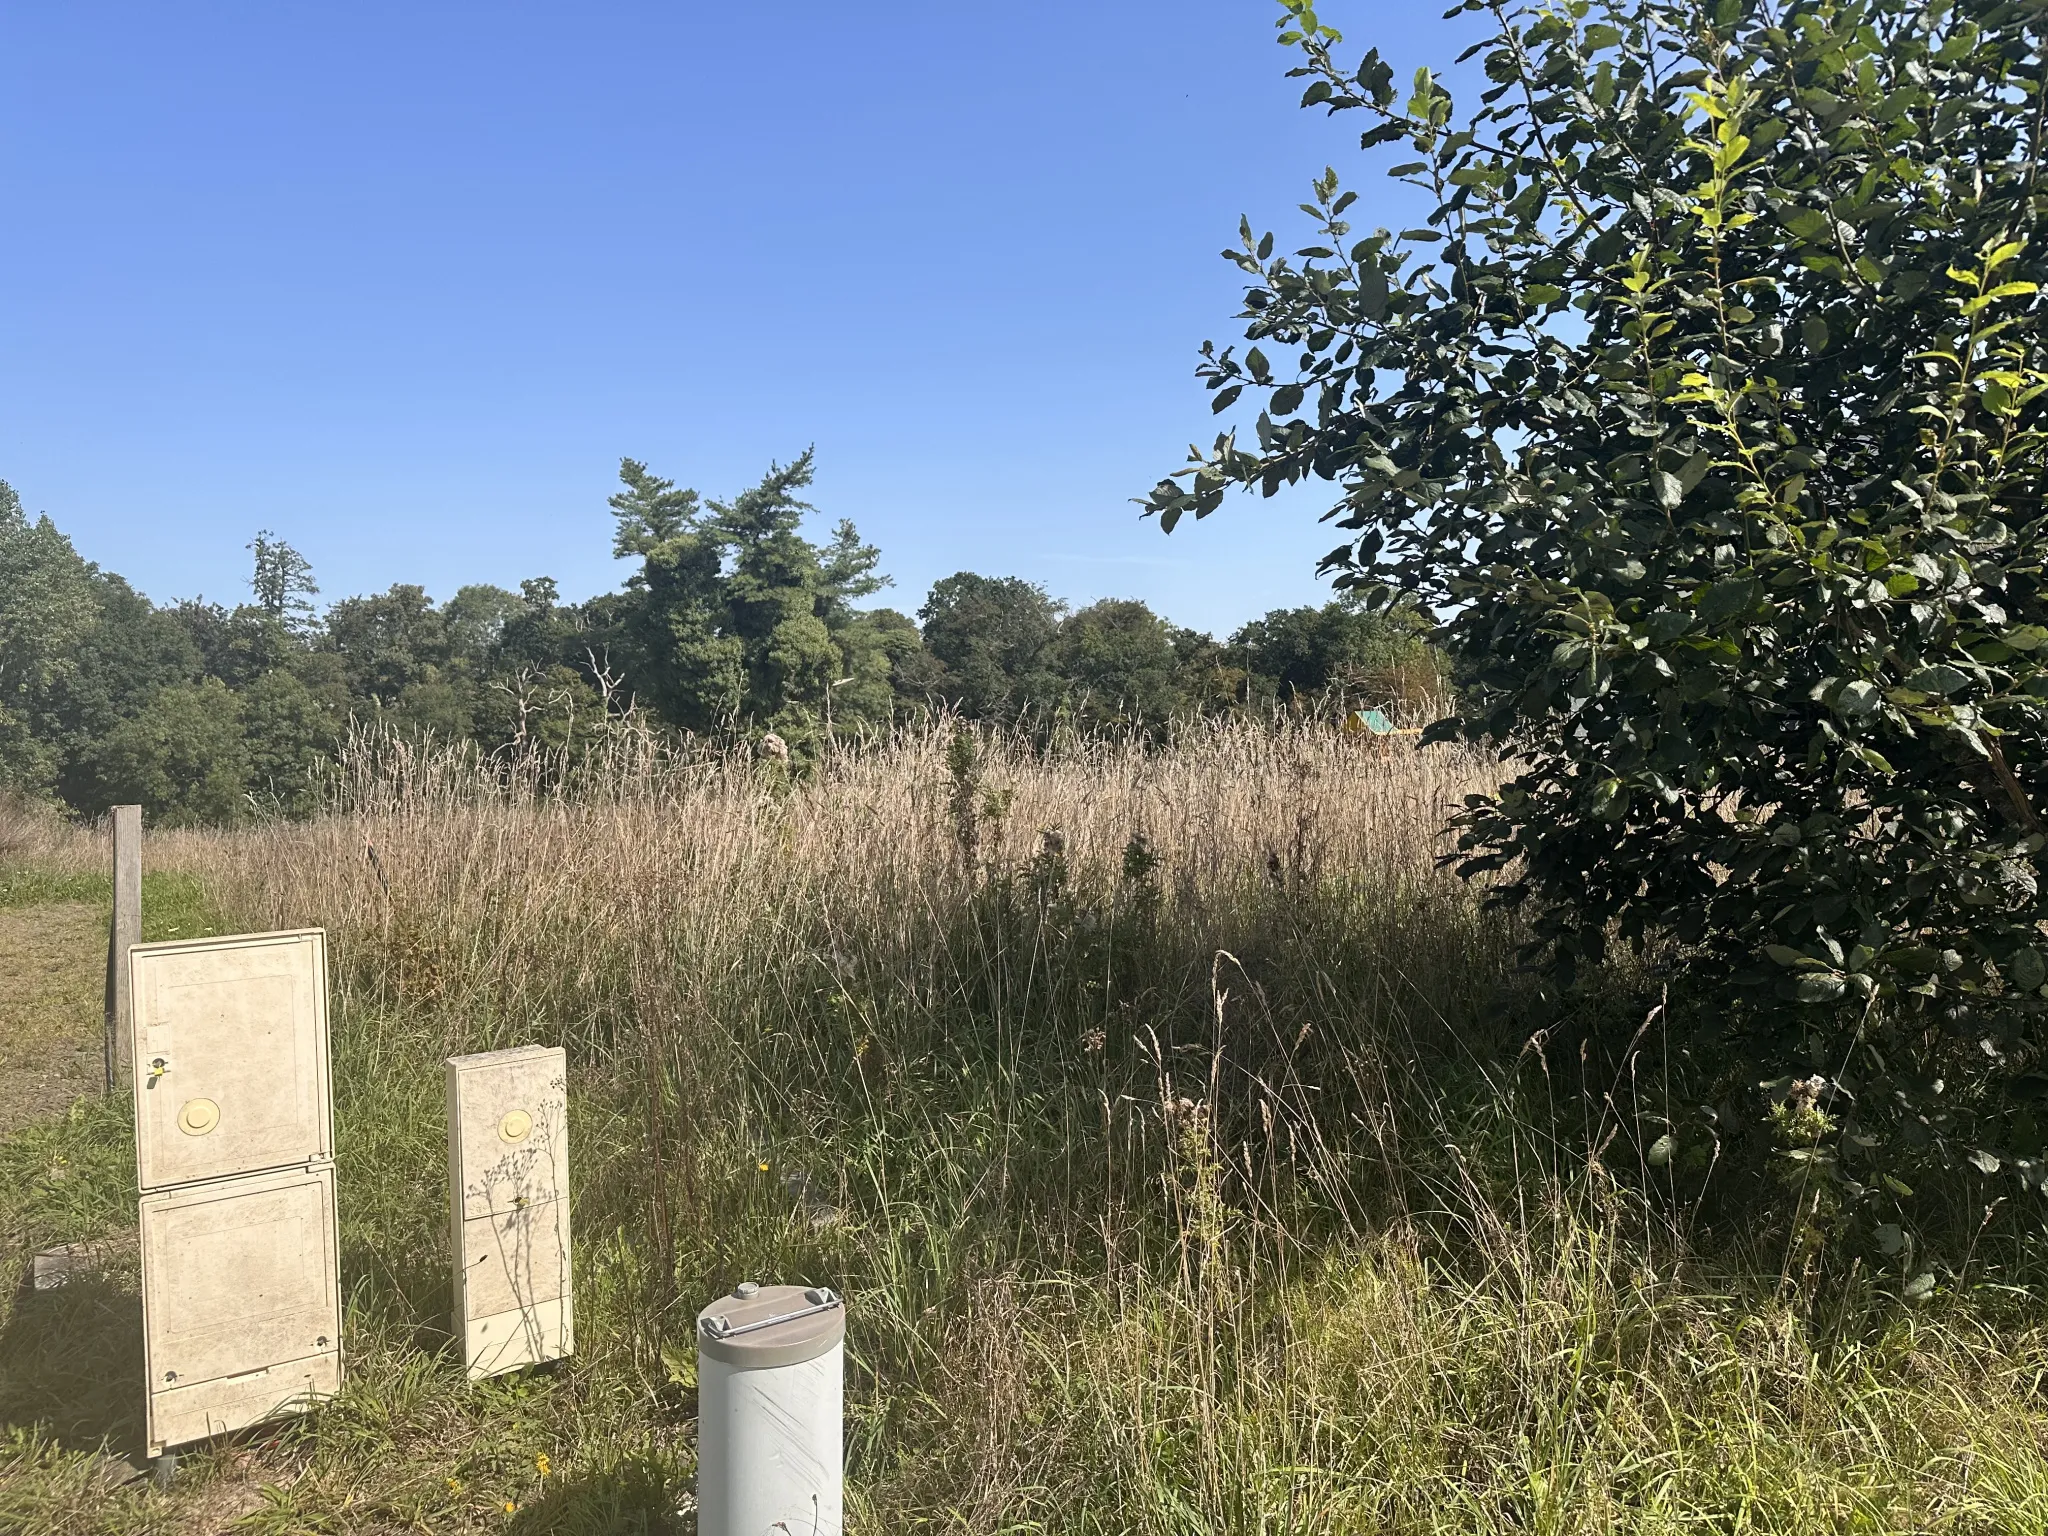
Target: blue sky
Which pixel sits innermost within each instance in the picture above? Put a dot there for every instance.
(404, 281)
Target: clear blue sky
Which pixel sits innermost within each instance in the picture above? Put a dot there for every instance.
(404, 281)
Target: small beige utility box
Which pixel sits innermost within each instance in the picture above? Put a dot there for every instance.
(234, 1150)
(508, 1190)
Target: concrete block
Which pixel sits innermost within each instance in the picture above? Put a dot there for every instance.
(54, 1267)
(508, 1196)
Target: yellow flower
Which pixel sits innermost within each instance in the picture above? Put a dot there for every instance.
(454, 1485)
(511, 1508)
(764, 1167)
(540, 1463)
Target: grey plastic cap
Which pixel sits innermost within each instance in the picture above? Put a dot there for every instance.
(772, 1325)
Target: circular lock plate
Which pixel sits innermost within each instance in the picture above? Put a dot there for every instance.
(198, 1116)
(515, 1125)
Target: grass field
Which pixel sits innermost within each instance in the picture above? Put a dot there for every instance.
(1169, 1119)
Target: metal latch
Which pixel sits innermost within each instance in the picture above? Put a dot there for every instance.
(821, 1300)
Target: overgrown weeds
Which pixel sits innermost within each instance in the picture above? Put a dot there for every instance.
(1166, 1115)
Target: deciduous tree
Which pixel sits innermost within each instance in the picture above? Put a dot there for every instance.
(1706, 407)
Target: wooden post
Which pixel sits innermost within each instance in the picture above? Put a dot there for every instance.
(124, 931)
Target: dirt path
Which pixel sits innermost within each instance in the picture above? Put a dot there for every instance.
(52, 986)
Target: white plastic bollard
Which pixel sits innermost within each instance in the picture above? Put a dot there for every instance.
(771, 1396)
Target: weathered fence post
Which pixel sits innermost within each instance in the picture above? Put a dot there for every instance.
(124, 932)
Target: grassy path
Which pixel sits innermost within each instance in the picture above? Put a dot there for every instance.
(52, 984)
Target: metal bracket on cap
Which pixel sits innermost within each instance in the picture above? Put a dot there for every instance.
(720, 1328)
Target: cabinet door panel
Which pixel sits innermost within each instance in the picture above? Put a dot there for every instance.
(230, 1056)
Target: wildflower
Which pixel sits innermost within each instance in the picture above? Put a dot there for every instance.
(454, 1485)
(764, 1166)
(540, 1463)
(511, 1508)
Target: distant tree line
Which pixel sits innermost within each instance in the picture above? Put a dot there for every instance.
(735, 621)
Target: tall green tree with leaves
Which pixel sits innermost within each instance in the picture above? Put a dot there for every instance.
(131, 652)
(47, 609)
(182, 758)
(1120, 666)
(283, 582)
(736, 618)
(993, 636)
(1707, 408)
(1342, 645)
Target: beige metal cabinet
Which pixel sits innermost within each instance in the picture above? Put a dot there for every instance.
(242, 1310)
(230, 1061)
(508, 1187)
(234, 1151)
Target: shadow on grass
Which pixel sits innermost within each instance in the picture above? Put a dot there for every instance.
(71, 1363)
(638, 1496)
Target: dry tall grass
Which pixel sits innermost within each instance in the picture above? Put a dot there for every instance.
(1164, 1113)
(454, 879)
(34, 835)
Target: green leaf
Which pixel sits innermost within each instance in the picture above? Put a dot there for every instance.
(1807, 224)
(1660, 1150)
(1372, 291)
(1821, 987)
(1610, 800)
(1914, 959)
(2027, 969)
(1724, 599)
(1942, 679)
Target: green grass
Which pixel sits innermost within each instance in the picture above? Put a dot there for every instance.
(23, 885)
(174, 903)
